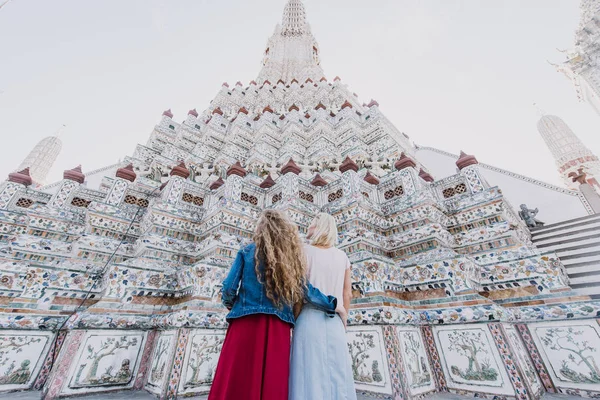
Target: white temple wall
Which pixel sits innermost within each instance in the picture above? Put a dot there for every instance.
(200, 362)
(106, 360)
(471, 361)
(22, 355)
(570, 351)
(370, 365)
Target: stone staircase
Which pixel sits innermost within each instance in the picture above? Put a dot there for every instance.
(577, 243)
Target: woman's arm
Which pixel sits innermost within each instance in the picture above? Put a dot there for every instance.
(232, 282)
(347, 293)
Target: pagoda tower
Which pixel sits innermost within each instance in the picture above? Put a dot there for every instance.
(41, 158)
(582, 64)
(116, 286)
(570, 154)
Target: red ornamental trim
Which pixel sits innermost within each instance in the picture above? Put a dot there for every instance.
(540, 367)
(51, 358)
(509, 362)
(21, 177)
(63, 363)
(392, 345)
(434, 357)
(173, 384)
(145, 361)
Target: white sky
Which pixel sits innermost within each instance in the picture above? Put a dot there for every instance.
(451, 74)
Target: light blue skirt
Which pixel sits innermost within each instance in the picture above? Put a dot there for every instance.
(320, 364)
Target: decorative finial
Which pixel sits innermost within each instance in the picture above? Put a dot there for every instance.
(126, 173)
(74, 174)
(237, 169)
(180, 170)
(292, 167)
(21, 177)
(404, 162)
(348, 165)
(268, 182)
(217, 184)
(168, 113)
(318, 181)
(465, 160)
(426, 176)
(372, 179)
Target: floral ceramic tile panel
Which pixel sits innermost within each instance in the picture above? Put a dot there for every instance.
(160, 366)
(201, 358)
(108, 360)
(22, 354)
(571, 352)
(368, 357)
(471, 361)
(416, 363)
(523, 359)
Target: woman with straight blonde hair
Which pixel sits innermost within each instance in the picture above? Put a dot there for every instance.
(266, 279)
(320, 364)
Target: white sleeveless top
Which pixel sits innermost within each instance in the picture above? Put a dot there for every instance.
(326, 270)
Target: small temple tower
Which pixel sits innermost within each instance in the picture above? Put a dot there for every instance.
(292, 52)
(41, 158)
(581, 65)
(570, 154)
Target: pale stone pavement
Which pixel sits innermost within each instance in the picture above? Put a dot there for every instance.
(142, 395)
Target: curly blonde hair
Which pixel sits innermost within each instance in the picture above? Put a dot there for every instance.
(280, 251)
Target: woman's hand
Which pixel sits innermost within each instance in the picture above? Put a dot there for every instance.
(341, 311)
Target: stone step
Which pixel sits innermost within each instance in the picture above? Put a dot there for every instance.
(571, 222)
(585, 277)
(578, 251)
(563, 230)
(566, 243)
(581, 261)
(580, 257)
(581, 268)
(574, 234)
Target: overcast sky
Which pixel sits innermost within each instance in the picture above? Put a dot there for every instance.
(451, 74)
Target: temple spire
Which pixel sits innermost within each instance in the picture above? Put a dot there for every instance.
(292, 52)
(294, 19)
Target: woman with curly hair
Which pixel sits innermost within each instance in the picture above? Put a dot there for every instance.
(266, 280)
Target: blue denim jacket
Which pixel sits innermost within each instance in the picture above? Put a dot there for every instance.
(243, 294)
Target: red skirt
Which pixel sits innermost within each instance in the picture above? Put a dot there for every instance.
(255, 360)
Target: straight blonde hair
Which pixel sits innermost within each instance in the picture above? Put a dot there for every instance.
(325, 231)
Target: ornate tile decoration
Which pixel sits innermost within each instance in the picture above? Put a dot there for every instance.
(136, 277)
(161, 361)
(473, 179)
(418, 376)
(369, 360)
(470, 360)
(571, 352)
(525, 365)
(64, 192)
(60, 373)
(510, 363)
(397, 373)
(7, 191)
(51, 358)
(434, 358)
(540, 367)
(202, 355)
(178, 364)
(107, 360)
(22, 355)
(141, 377)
